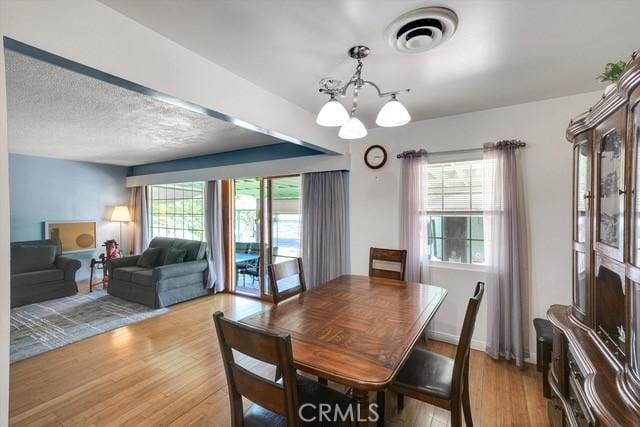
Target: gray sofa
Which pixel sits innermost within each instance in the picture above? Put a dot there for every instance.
(39, 272)
(161, 285)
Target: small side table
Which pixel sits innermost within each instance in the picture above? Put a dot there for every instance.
(98, 264)
(544, 339)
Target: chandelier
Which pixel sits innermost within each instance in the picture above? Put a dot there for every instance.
(334, 114)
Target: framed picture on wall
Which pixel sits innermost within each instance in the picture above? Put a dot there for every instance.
(75, 236)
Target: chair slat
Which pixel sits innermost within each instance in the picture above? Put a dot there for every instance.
(378, 257)
(268, 394)
(245, 340)
(284, 270)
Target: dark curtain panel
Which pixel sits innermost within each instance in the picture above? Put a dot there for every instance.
(324, 250)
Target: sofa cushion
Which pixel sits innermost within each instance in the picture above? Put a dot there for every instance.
(35, 277)
(174, 256)
(195, 249)
(149, 258)
(124, 273)
(164, 243)
(142, 277)
(32, 258)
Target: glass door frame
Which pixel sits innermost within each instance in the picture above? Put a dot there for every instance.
(265, 234)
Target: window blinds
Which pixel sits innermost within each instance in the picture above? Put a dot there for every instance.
(454, 188)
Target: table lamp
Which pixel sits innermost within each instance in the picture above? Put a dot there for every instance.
(120, 214)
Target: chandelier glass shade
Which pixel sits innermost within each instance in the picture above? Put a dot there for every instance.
(393, 114)
(333, 113)
(352, 129)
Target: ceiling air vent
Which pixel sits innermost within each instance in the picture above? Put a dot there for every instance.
(422, 29)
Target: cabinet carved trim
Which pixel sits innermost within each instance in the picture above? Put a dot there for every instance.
(627, 82)
(603, 377)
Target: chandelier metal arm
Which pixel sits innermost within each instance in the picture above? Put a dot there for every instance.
(342, 91)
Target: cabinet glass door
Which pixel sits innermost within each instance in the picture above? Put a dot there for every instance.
(580, 281)
(581, 226)
(635, 199)
(581, 190)
(611, 190)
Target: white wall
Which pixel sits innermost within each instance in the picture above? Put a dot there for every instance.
(4, 249)
(374, 198)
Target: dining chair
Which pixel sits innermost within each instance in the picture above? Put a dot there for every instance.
(387, 263)
(437, 379)
(275, 403)
(286, 279)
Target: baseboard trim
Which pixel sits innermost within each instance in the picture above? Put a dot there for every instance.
(475, 344)
(453, 339)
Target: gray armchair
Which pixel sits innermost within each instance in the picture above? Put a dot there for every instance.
(161, 285)
(39, 272)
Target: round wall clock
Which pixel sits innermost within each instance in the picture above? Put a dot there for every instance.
(375, 157)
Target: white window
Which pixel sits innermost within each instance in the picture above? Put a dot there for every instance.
(453, 211)
(177, 210)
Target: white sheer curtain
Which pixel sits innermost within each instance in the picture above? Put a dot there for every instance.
(324, 251)
(506, 254)
(139, 229)
(213, 231)
(412, 204)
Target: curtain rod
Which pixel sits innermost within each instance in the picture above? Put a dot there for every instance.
(508, 144)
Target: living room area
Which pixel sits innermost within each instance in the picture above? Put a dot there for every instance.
(91, 251)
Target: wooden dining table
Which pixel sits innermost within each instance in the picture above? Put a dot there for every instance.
(354, 330)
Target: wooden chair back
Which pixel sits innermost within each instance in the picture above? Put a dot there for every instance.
(387, 263)
(286, 279)
(461, 363)
(267, 347)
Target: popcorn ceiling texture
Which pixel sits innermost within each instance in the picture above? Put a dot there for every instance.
(55, 112)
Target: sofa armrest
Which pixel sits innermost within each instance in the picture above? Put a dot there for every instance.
(179, 269)
(69, 266)
(127, 261)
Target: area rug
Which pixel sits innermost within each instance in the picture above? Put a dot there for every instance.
(37, 328)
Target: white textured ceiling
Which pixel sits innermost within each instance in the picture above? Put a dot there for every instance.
(504, 52)
(54, 112)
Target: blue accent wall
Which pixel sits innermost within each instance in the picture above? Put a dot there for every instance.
(44, 189)
(247, 155)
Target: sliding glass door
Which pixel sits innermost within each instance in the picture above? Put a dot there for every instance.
(266, 229)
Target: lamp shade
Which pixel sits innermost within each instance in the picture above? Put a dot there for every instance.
(120, 214)
(353, 129)
(393, 113)
(332, 114)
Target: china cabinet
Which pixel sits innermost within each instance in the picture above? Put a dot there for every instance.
(595, 367)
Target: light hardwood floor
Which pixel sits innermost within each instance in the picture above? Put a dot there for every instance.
(167, 371)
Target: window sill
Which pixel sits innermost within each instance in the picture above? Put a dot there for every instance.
(457, 266)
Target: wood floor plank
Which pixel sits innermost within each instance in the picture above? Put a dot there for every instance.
(167, 371)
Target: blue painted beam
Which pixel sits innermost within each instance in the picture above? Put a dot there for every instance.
(247, 155)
